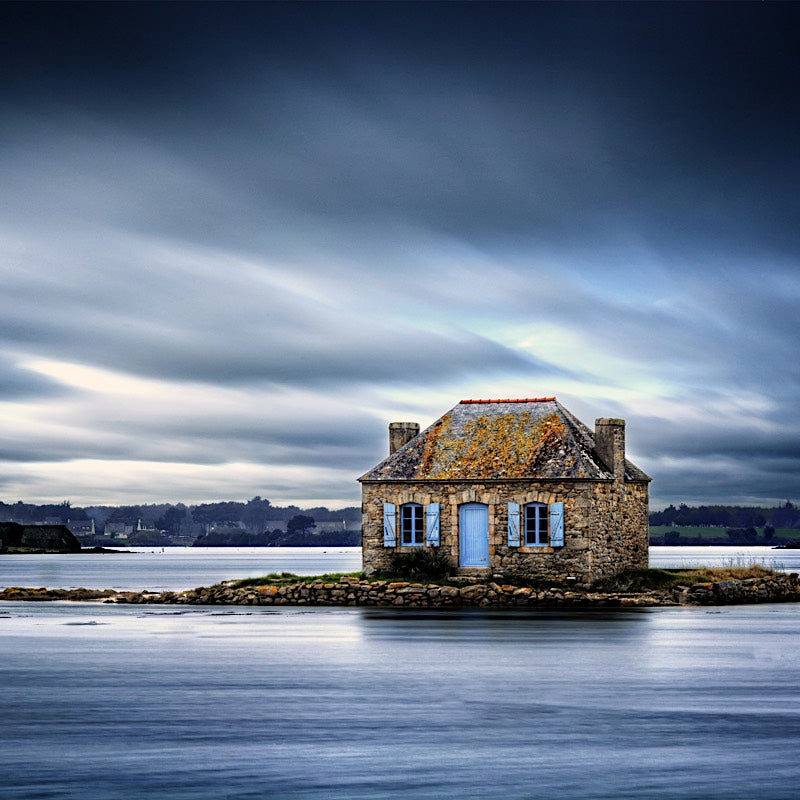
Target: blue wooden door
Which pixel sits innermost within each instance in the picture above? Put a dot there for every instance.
(473, 535)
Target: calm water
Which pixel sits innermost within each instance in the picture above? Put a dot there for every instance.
(103, 702)
(160, 569)
(783, 560)
(169, 568)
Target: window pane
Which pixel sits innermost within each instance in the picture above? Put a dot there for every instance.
(412, 531)
(536, 517)
(543, 519)
(406, 524)
(530, 524)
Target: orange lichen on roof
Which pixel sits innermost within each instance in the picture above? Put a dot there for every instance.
(515, 400)
(504, 446)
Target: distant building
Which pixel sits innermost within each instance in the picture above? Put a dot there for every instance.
(118, 530)
(81, 526)
(227, 525)
(516, 488)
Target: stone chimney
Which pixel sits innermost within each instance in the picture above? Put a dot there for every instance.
(400, 433)
(609, 444)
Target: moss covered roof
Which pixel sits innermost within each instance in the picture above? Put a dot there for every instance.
(500, 439)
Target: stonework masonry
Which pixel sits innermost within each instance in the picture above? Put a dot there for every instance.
(401, 433)
(606, 525)
(609, 442)
(358, 592)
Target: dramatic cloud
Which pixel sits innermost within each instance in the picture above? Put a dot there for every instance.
(239, 239)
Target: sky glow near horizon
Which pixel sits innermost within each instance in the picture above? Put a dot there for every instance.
(238, 240)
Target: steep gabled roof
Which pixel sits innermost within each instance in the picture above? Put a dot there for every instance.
(500, 439)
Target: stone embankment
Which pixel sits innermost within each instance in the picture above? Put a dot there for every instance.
(355, 592)
(776, 589)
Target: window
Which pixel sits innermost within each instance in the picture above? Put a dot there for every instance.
(412, 528)
(536, 524)
(418, 524)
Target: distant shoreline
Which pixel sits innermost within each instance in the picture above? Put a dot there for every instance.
(132, 548)
(40, 551)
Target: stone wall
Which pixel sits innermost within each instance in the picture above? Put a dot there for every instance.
(51, 538)
(768, 589)
(606, 525)
(355, 592)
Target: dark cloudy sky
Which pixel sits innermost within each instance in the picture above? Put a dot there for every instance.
(238, 240)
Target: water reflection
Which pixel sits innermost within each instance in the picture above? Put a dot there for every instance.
(367, 703)
(171, 568)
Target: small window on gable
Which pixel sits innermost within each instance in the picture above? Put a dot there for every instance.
(412, 525)
(536, 524)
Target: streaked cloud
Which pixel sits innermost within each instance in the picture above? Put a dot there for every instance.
(231, 258)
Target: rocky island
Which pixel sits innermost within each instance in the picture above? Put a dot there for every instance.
(692, 587)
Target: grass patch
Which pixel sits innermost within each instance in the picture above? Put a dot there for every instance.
(645, 580)
(289, 578)
(732, 573)
(635, 580)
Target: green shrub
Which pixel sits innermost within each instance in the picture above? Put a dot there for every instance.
(425, 563)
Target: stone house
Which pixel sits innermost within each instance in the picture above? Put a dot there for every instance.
(512, 488)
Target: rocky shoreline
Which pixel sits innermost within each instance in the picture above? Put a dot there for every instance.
(359, 592)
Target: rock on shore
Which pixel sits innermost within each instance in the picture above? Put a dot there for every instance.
(355, 592)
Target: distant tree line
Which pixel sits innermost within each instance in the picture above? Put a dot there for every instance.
(279, 538)
(300, 531)
(729, 536)
(735, 517)
(163, 523)
(257, 522)
(27, 513)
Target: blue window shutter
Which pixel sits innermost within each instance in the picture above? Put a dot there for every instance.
(432, 524)
(389, 525)
(556, 524)
(513, 525)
